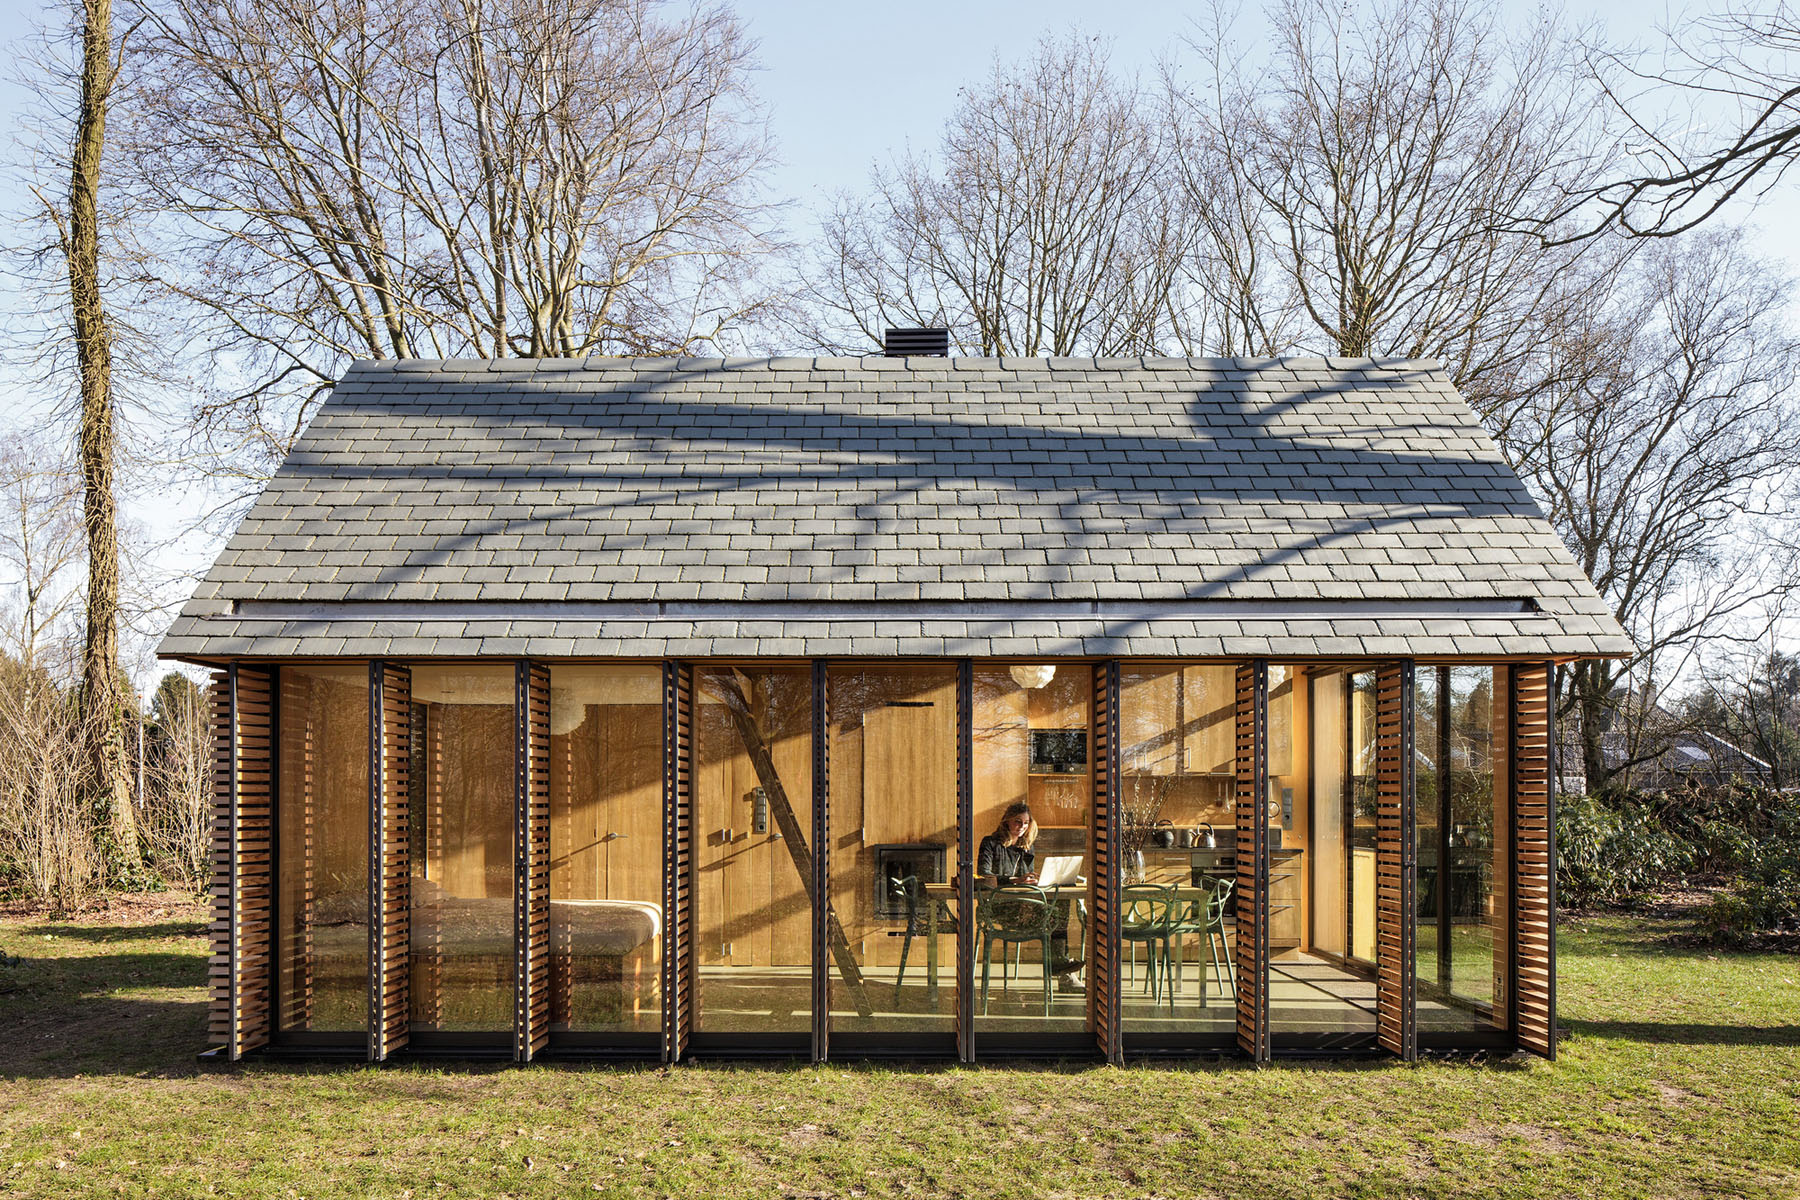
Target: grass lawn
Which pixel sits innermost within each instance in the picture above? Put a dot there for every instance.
(1678, 1079)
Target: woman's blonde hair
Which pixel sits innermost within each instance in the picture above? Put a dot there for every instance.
(1018, 808)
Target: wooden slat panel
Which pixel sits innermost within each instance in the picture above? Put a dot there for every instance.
(531, 868)
(1252, 790)
(390, 857)
(242, 711)
(1396, 860)
(220, 966)
(1105, 1017)
(298, 851)
(678, 834)
(1533, 742)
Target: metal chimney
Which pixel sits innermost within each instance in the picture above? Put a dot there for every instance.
(921, 343)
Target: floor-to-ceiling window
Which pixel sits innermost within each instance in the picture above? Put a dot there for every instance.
(1314, 994)
(462, 807)
(1178, 842)
(751, 859)
(606, 849)
(894, 851)
(1033, 807)
(1473, 968)
(322, 846)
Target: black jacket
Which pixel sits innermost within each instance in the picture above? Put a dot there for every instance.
(1005, 862)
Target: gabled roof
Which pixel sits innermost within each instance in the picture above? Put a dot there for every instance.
(880, 506)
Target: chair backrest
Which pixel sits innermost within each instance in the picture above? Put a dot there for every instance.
(1147, 905)
(1016, 909)
(905, 887)
(1219, 900)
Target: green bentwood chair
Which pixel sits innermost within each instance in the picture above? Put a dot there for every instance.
(1206, 917)
(1013, 916)
(1147, 916)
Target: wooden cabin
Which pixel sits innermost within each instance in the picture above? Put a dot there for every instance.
(654, 707)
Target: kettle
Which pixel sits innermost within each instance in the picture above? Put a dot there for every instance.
(1163, 836)
(1208, 840)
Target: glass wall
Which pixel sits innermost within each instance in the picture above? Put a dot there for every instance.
(894, 848)
(1178, 840)
(322, 846)
(462, 809)
(1429, 762)
(1311, 994)
(751, 863)
(1472, 963)
(895, 851)
(1033, 806)
(606, 849)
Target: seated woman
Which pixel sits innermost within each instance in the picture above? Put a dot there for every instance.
(1006, 858)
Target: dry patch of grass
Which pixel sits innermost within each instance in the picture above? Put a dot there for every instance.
(1677, 1080)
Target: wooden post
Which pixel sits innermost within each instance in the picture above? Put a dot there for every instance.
(1396, 861)
(1534, 856)
(241, 974)
(1252, 798)
(390, 858)
(1105, 1017)
(531, 867)
(678, 849)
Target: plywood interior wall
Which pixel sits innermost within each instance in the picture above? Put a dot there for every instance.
(750, 904)
(893, 781)
(1327, 914)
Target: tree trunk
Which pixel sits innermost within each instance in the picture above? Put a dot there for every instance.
(1591, 703)
(102, 693)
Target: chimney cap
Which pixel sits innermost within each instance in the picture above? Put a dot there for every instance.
(923, 342)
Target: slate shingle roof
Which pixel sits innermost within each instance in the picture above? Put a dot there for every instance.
(838, 506)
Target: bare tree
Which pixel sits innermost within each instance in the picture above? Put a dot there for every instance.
(1045, 226)
(177, 799)
(47, 842)
(1735, 68)
(79, 226)
(465, 177)
(1380, 162)
(1664, 457)
(40, 541)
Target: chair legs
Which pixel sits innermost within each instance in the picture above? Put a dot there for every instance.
(987, 961)
(900, 975)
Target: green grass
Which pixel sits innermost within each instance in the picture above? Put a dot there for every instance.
(1678, 1079)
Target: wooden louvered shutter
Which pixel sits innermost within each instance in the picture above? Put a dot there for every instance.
(390, 857)
(965, 860)
(1104, 991)
(296, 812)
(678, 859)
(531, 861)
(242, 714)
(1252, 855)
(1396, 860)
(1534, 856)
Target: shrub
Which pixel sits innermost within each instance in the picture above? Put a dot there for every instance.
(1610, 852)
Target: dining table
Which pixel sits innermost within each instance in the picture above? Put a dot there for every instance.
(940, 908)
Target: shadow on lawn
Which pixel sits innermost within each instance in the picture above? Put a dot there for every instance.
(103, 934)
(1675, 1034)
(67, 1016)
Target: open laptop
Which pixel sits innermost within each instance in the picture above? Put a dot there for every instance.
(1059, 870)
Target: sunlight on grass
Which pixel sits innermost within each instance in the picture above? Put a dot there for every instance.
(1677, 1079)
